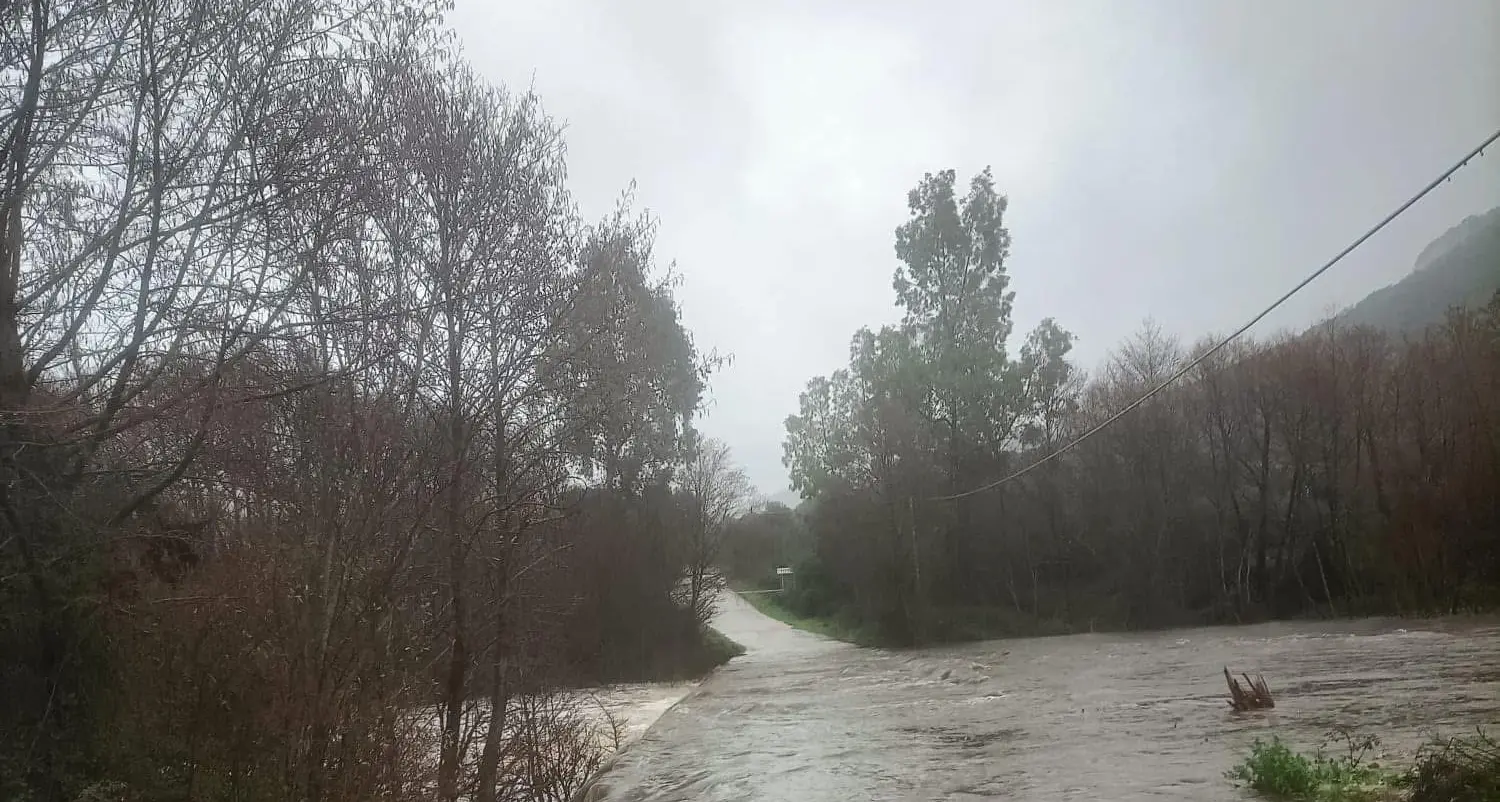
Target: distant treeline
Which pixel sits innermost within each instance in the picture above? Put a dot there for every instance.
(1342, 471)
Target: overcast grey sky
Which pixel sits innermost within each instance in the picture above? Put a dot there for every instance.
(1184, 160)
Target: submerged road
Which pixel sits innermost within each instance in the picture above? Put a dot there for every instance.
(1120, 717)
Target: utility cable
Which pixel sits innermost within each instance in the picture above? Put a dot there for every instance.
(1444, 176)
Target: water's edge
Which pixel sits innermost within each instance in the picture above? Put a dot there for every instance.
(1119, 716)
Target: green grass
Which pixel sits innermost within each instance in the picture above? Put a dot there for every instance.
(1275, 770)
(1446, 770)
(959, 624)
(740, 584)
(720, 647)
(945, 625)
(836, 628)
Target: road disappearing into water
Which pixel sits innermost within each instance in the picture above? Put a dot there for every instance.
(1086, 717)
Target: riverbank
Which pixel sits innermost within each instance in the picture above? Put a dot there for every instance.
(622, 712)
(756, 639)
(947, 624)
(769, 604)
(959, 625)
(580, 729)
(1462, 769)
(1122, 716)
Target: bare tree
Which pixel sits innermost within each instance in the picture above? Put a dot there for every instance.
(153, 155)
(715, 492)
(306, 369)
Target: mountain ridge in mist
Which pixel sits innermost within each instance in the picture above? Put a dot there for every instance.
(1459, 268)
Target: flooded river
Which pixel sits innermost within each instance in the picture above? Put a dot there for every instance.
(1120, 717)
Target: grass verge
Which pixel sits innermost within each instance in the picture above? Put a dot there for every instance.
(770, 604)
(944, 625)
(719, 647)
(691, 657)
(1452, 770)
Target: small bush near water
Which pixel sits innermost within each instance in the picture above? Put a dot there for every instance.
(1456, 770)
(1446, 770)
(1276, 770)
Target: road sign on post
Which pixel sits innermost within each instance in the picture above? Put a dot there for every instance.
(788, 579)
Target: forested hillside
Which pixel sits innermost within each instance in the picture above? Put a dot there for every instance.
(1342, 471)
(1460, 268)
(334, 446)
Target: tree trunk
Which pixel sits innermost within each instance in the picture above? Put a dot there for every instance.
(458, 659)
(499, 697)
(494, 737)
(1262, 572)
(453, 688)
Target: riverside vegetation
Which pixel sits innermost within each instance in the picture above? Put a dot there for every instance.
(1345, 470)
(1463, 769)
(334, 447)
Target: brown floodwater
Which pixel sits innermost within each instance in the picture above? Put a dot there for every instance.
(1120, 717)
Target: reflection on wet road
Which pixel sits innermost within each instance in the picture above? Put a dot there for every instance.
(1123, 717)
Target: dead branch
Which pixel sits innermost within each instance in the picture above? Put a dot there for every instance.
(1253, 695)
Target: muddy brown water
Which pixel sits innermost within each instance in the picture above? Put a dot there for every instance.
(1119, 717)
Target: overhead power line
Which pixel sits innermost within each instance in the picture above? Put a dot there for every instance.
(1183, 371)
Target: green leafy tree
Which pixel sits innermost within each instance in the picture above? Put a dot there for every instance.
(952, 284)
(1050, 383)
(926, 408)
(639, 378)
